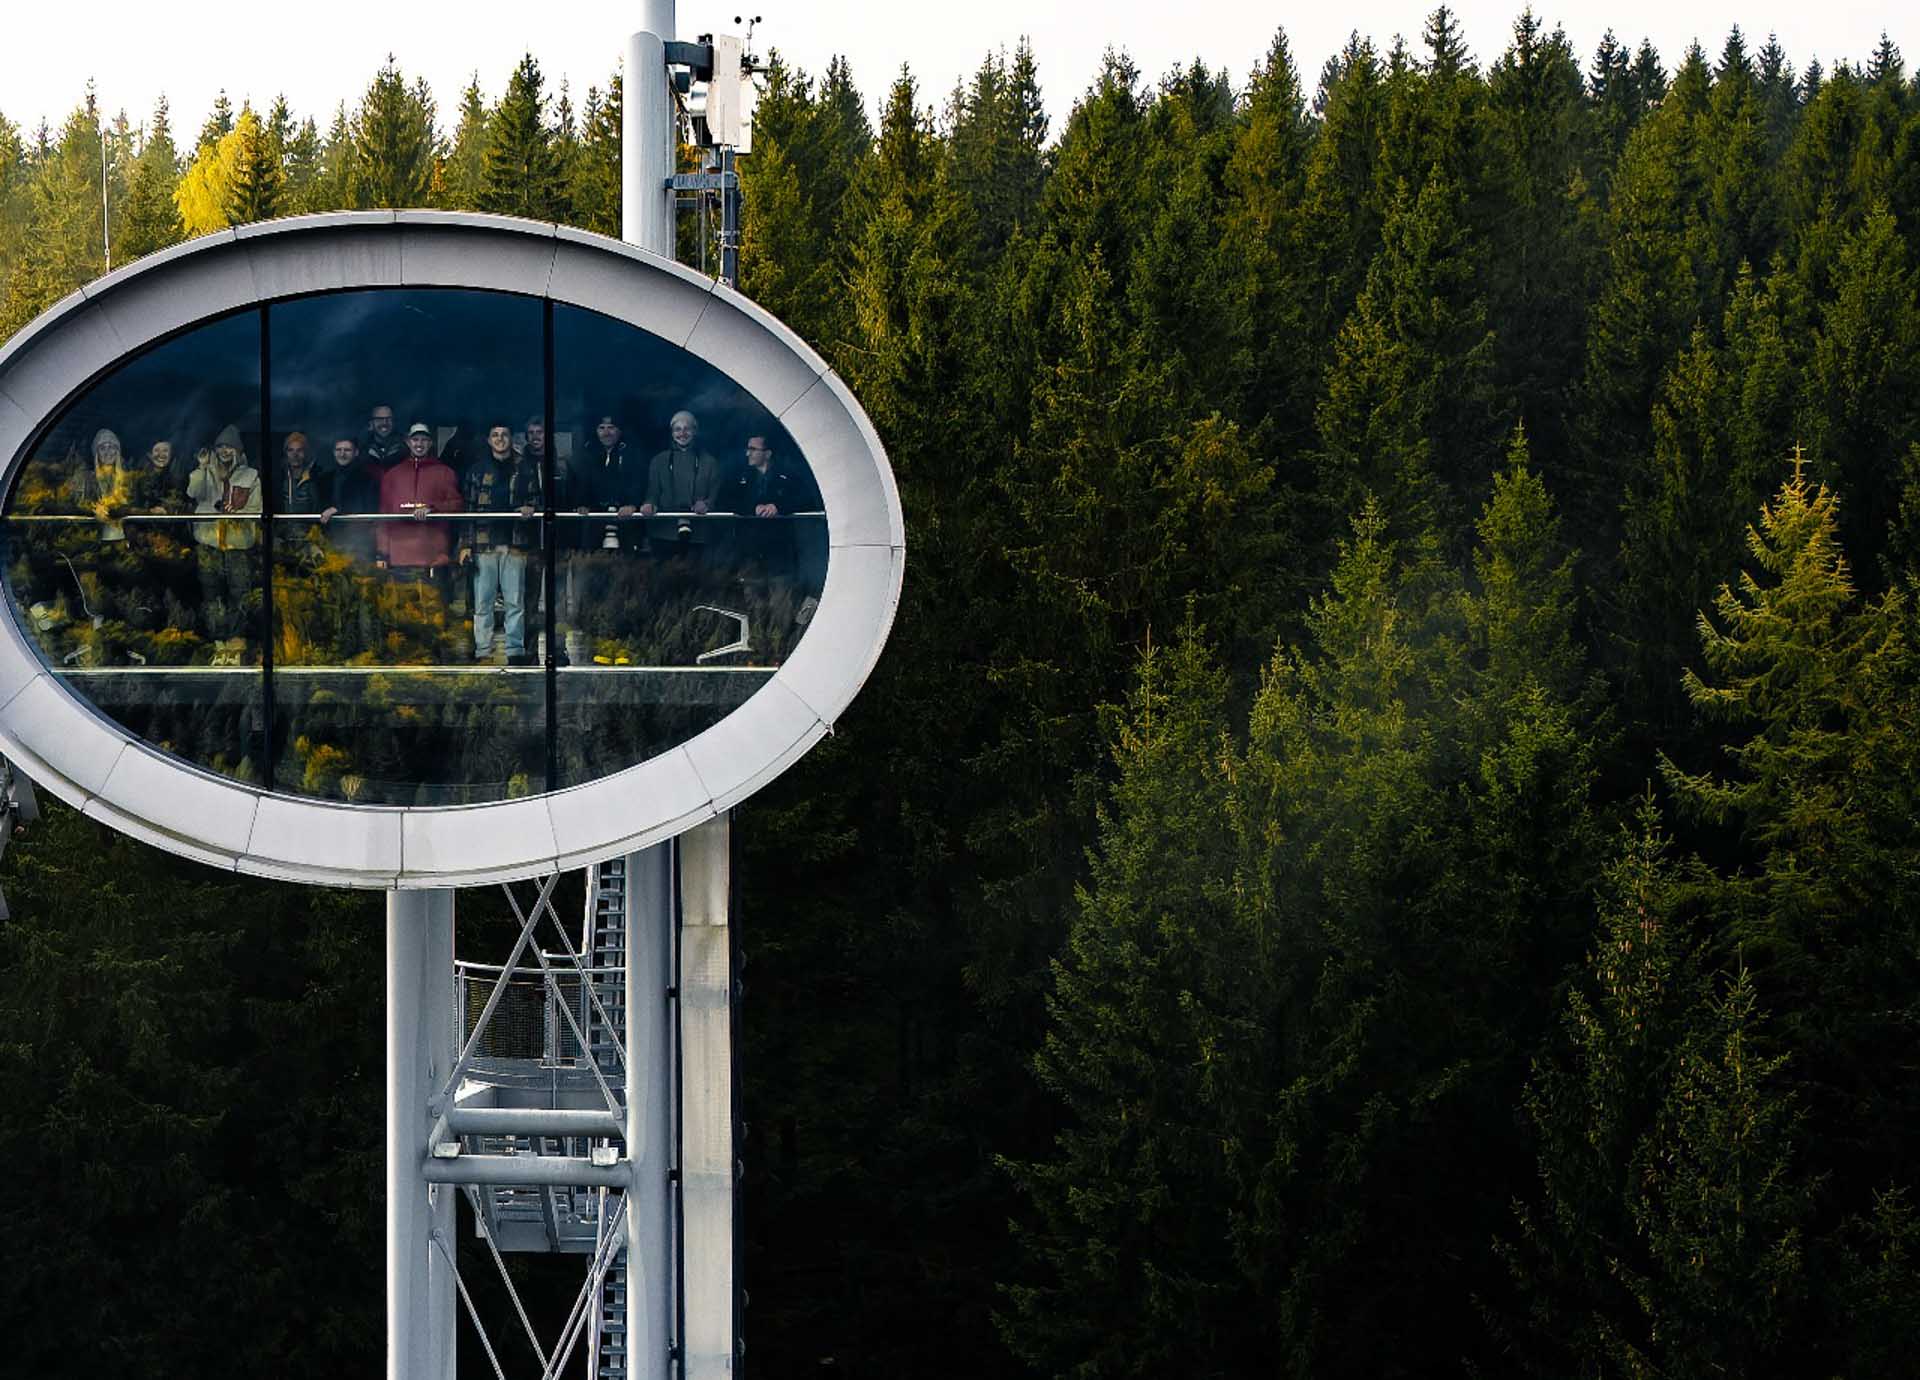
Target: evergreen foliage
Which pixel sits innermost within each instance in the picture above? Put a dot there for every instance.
(393, 143)
(1208, 945)
(526, 174)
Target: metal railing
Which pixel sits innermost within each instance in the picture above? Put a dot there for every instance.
(528, 1031)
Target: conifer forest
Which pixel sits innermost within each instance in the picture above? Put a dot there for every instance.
(1385, 841)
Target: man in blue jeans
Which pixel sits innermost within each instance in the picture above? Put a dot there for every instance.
(501, 482)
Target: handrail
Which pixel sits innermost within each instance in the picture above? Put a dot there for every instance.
(461, 965)
(398, 667)
(464, 515)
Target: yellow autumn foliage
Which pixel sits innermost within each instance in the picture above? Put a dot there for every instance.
(202, 193)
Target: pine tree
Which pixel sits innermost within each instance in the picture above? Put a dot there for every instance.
(1345, 204)
(393, 142)
(14, 181)
(1266, 319)
(1616, 99)
(1886, 67)
(1838, 166)
(524, 176)
(1257, 1142)
(1668, 1235)
(63, 245)
(1715, 455)
(594, 191)
(219, 122)
(464, 177)
(1409, 414)
(1540, 224)
(257, 182)
(1862, 393)
(301, 155)
(333, 180)
(1779, 92)
(997, 146)
(1813, 686)
(150, 220)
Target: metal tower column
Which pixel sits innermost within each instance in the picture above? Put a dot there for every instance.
(647, 134)
(422, 1034)
(651, 1285)
(706, 1099)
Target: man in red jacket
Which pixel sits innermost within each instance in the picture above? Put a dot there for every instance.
(420, 485)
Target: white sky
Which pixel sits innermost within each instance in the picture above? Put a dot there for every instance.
(319, 53)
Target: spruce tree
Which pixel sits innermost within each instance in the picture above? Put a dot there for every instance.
(1862, 394)
(257, 182)
(1409, 414)
(1540, 221)
(63, 245)
(464, 176)
(524, 176)
(1813, 686)
(1265, 315)
(1345, 203)
(333, 184)
(1668, 1232)
(394, 146)
(151, 220)
(998, 141)
(594, 190)
(219, 123)
(301, 157)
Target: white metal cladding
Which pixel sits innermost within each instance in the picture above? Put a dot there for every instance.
(95, 765)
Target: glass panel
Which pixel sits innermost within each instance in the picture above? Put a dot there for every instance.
(406, 639)
(133, 546)
(691, 549)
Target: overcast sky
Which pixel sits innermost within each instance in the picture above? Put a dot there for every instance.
(321, 53)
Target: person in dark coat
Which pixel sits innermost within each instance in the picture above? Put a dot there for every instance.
(295, 488)
(759, 490)
(503, 481)
(682, 478)
(608, 478)
(384, 444)
(348, 485)
(761, 487)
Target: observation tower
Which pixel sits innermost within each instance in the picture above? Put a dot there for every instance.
(414, 550)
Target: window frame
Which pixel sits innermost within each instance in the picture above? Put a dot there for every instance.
(81, 756)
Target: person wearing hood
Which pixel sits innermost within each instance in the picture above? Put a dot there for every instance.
(297, 489)
(419, 486)
(104, 488)
(227, 489)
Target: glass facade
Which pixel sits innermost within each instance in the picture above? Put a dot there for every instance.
(414, 546)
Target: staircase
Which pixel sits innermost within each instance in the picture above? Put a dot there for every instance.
(530, 1055)
(602, 947)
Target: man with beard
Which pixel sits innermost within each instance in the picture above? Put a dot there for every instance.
(680, 478)
(383, 445)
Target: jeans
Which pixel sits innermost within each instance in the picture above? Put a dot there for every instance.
(500, 571)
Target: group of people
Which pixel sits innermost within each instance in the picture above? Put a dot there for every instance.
(609, 504)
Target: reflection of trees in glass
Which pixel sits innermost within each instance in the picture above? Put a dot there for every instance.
(407, 737)
(658, 611)
(333, 610)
